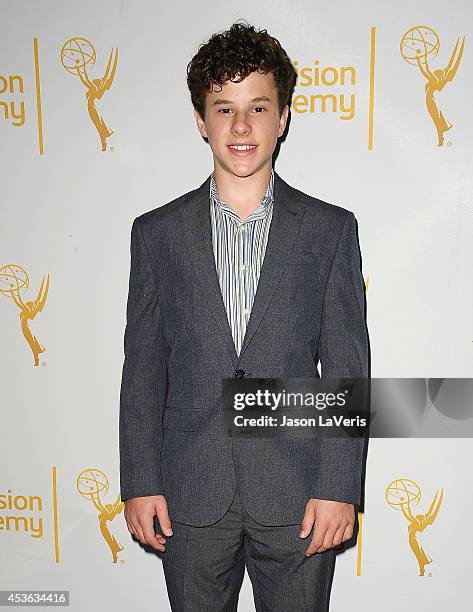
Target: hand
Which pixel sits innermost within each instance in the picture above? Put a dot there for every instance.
(139, 514)
(333, 523)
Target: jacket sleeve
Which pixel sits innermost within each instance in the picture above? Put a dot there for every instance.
(343, 352)
(143, 385)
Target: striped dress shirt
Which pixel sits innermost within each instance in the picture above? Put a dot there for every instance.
(239, 248)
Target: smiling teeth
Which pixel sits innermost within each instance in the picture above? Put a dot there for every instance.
(242, 147)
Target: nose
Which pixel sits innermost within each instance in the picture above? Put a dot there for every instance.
(240, 124)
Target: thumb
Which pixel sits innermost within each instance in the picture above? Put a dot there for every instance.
(164, 520)
(307, 522)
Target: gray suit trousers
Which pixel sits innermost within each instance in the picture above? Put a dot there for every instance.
(204, 566)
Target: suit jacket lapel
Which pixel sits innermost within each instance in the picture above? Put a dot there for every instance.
(287, 217)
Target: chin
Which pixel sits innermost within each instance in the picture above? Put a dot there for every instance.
(245, 173)
(245, 169)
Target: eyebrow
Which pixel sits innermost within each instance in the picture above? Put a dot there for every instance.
(257, 99)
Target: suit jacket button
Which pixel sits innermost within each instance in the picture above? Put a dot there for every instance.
(239, 373)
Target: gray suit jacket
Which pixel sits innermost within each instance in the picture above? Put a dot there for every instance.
(309, 306)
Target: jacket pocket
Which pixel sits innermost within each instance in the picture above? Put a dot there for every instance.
(183, 419)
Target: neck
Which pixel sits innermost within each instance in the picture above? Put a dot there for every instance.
(242, 193)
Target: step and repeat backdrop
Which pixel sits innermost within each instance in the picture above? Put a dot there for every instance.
(96, 127)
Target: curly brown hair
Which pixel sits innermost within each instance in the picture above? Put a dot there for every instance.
(239, 50)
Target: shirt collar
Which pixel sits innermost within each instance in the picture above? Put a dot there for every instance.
(266, 200)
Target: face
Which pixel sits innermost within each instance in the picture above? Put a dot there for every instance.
(245, 113)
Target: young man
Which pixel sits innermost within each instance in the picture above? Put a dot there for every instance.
(243, 276)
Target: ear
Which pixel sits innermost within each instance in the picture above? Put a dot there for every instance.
(200, 123)
(283, 120)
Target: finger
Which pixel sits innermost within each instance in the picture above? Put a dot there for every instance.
(139, 533)
(164, 520)
(134, 527)
(130, 528)
(348, 533)
(328, 540)
(317, 539)
(151, 537)
(158, 535)
(338, 537)
(307, 522)
(160, 538)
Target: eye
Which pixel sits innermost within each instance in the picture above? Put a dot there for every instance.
(256, 108)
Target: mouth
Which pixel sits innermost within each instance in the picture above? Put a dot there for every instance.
(242, 149)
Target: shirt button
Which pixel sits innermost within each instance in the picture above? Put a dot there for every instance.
(242, 267)
(239, 373)
(245, 311)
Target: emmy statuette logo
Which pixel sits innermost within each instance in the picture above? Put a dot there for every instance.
(77, 57)
(418, 45)
(92, 484)
(402, 495)
(13, 280)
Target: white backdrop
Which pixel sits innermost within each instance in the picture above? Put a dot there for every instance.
(67, 208)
